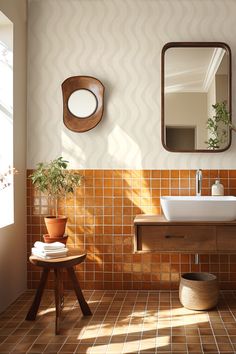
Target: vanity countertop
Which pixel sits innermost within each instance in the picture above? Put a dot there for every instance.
(142, 219)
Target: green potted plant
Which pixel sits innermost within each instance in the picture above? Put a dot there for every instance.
(218, 127)
(54, 180)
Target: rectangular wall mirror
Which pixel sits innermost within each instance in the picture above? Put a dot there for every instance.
(196, 96)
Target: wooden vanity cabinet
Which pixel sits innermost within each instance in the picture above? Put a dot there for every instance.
(155, 233)
(226, 238)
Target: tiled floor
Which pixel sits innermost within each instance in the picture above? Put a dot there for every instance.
(122, 322)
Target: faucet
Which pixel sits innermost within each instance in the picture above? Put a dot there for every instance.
(198, 183)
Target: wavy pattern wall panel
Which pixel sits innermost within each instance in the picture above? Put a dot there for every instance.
(119, 42)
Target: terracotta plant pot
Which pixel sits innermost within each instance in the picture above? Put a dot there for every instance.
(48, 239)
(56, 225)
(198, 291)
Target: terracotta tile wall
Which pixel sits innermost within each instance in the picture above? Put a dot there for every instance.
(101, 222)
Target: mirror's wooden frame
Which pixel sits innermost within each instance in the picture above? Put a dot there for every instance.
(193, 45)
(89, 83)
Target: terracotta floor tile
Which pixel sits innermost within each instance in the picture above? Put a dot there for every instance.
(50, 348)
(68, 348)
(82, 349)
(194, 348)
(177, 347)
(178, 339)
(147, 344)
(224, 347)
(205, 331)
(191, 331)
(164, 349)
(37, 348)
(219, 332)
(233, 339)
(164, 332)
(12, 339)
(122, 322)
(7, 347)
(21, 347)
(209, 348)
(115, 348)
(222, 339)
(207, 339)
(193, 339)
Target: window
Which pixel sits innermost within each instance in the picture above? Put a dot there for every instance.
(6, 121)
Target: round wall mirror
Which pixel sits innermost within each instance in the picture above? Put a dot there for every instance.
(82, 103)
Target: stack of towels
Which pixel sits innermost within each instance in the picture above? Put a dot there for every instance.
(49, 250)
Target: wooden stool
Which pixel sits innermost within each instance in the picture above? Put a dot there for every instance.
(58, 264)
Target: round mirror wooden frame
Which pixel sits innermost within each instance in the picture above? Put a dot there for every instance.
(75, 83)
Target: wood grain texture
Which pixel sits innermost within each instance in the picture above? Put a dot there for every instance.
(226, 238)
(57, 265)
(32, 313)
(83, 304)
(59, 297)
(177, 238)
(155, 233)
(72, 84)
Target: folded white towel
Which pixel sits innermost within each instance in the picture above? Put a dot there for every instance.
(50, 252)
(41, 255)
(53, 253)
(49, 246)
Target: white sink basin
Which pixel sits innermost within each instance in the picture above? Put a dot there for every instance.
(178, 208)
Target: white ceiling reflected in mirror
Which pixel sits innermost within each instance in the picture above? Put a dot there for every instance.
(82, 103)
(195, 76)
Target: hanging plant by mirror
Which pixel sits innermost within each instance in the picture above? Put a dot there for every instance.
(83, 102)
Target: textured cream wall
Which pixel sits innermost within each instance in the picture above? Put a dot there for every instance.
(13, 237)
(119, 42)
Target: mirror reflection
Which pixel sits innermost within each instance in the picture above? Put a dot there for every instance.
(195, 90)
(82, 103)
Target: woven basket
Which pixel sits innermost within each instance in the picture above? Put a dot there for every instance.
(198, 291)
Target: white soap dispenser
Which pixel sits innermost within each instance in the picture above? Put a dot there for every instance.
(217, 188)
